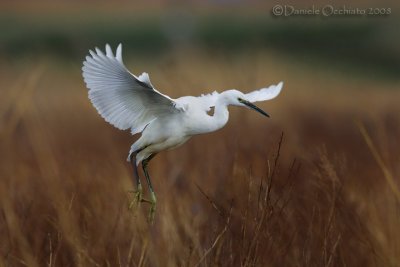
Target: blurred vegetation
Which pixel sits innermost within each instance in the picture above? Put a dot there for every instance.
(324, 194)
(364, 44)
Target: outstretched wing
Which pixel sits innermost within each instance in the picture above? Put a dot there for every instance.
(264, 94)
(121, 98)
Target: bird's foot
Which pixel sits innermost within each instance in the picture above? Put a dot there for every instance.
(153, 202)
(137, 197)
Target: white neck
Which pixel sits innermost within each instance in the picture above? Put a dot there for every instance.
(221, 114)
(217, 120)
(220, 117)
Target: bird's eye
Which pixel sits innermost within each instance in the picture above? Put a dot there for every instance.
(239, 99)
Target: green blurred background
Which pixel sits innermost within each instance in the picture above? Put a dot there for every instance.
(65, 30)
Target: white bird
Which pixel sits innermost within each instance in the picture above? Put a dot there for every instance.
(131, 102)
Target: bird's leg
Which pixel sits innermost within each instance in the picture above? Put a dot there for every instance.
(153, 199)
(138, 194)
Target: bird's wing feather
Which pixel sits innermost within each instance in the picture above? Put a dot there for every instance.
(209, 100)
(264, 94)
(121, 98)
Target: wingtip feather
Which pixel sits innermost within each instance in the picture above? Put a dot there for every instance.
(119, 53)
(278, 87)
(99, 52)
(109, 52)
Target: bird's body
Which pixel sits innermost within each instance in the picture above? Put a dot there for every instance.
(131, 102)
(171, 131)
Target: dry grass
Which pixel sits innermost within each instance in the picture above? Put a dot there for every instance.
(323, 194)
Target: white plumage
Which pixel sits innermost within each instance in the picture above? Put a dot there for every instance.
(121, 98)
(131, 102)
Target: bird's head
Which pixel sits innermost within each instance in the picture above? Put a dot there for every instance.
(237, 98)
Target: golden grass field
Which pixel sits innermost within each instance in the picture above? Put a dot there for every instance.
(317, 184)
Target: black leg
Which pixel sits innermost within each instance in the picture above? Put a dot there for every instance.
(153, 198)
(139, 191)
(135, 171)
(144, 165)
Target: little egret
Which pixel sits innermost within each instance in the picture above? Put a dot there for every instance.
(131, 102)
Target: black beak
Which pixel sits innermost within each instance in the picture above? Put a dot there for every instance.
(252, 106)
